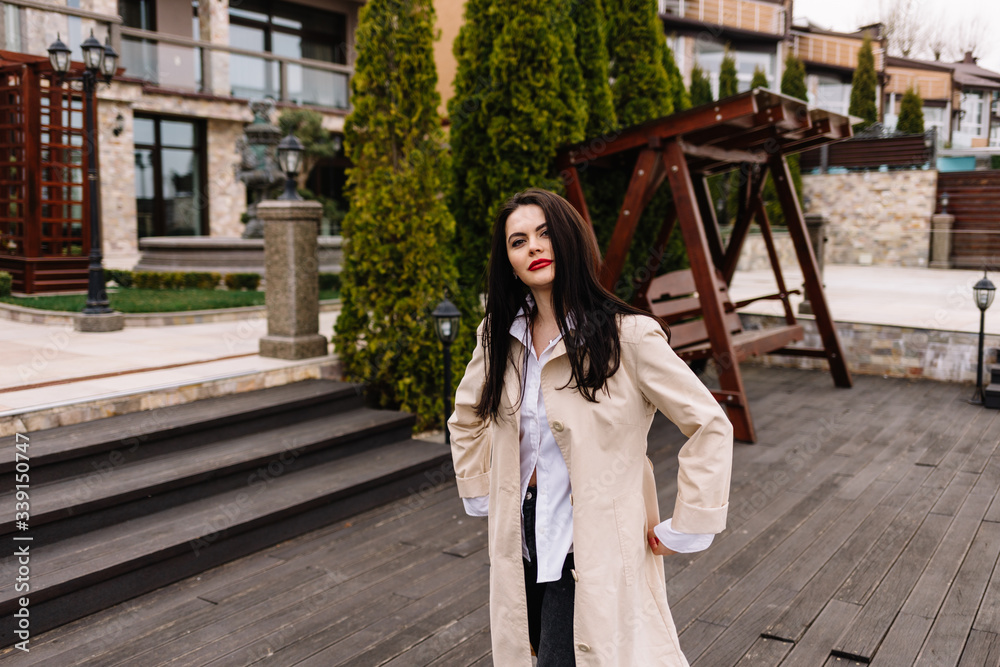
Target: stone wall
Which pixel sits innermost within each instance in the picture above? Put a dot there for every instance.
(875, 217)
(753, 256)
(893, 351)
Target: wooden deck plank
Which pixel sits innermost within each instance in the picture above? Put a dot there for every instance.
(765, 652)
(902, 644)
(467, 652)
(737, 639)
(950, 630)
(441, 643)
(814, 647)
(810, 601)
(982, 650)
(933, 585)
(864, 635)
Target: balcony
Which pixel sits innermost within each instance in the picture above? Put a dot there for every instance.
(751, 15)
(180, 63)
(183, 64)
(835, 50)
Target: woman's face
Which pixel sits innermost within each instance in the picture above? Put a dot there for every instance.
(529, 247)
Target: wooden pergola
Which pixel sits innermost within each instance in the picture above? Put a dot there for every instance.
(753, 132)
(44, 205)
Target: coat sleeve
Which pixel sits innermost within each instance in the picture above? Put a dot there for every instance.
(705, 461)
(471, 443)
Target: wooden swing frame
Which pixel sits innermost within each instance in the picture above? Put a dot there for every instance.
(754, 132)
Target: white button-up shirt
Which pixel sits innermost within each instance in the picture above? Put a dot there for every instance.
(539, 451)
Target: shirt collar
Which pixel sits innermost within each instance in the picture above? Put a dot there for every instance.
(519, 327)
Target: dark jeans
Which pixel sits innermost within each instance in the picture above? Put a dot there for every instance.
(550, 605)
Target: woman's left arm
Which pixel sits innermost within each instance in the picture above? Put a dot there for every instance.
(705, 461)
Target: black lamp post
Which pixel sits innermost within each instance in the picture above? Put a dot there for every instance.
(100, 60)
(446, 321)
(290, 151)
(984, 291)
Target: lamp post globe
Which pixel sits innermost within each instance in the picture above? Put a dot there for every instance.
(109, 65)
(93, 53)
(59, 55)
(290, 151)
(446, 320)
(983, 293)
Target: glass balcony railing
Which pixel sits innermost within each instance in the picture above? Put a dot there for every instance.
(178, 63)
(167, 65)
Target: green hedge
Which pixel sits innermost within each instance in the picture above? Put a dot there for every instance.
(241, 281)
(121, 278)
(5, 283)
(175, 280)
(329, 281)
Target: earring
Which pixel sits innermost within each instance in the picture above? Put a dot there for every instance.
(515, 275)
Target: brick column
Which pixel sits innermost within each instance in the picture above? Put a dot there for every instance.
(291, 268)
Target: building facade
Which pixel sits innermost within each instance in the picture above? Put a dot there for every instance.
(169, 126)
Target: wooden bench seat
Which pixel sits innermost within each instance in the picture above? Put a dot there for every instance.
(674, 298)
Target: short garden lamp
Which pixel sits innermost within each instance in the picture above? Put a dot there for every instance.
(446, 320)
(290, 151)
(984, 291)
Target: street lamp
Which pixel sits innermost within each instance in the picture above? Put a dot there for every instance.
(446, 320)
(290, 151)
(984, 291)
(99, 60)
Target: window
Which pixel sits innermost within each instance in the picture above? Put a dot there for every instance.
(170, 190)
(12, 27)
(832, 94)
(972, 104)
(294, 31)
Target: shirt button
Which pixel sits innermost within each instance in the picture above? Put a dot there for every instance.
(557, 427)
(527, 496)
(583, 647)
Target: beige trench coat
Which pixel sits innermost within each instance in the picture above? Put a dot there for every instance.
(621, 616)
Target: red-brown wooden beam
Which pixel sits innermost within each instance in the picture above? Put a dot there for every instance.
(772, 254)
(751, 188)
(641, 299)
(712, 306)
(646, 177)
(574, 189)
(703, 193)
(810, 271)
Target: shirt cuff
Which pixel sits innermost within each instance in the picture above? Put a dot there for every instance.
(479, 506)
(682, 543)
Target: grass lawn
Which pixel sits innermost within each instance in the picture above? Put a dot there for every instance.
(153, 301)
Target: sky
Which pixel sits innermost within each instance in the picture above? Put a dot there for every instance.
(848, 15)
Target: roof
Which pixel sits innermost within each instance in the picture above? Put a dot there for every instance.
(914, 63)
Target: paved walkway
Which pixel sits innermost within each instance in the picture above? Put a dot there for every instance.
(863, 526)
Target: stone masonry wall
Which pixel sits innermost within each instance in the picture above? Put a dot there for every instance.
(893, 351)
(875, 217)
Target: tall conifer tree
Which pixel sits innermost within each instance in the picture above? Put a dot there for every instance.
(863, 87)
(701, 87)
(396, 261)
(911, 113)
(678, 93)
(759, 79)
(535, 109)
(641, 89)
(728, 82)
(592, 54)
(793, 80)
(470, 198)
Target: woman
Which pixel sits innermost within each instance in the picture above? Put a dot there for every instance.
(549, 441)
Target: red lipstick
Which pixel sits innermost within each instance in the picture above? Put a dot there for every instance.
(539, 264)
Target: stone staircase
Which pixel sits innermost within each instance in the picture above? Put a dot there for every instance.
(992, 391)
(123, 505)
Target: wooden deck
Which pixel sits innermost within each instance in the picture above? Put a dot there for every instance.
(863, 529)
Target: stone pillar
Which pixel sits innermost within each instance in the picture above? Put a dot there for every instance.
(213, 20)
(291, 269)
(941, 224)
(816, 227)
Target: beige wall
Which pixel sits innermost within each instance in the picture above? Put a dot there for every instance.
(930, 84)
(449, 19)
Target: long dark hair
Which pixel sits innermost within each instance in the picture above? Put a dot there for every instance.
(593, 344)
